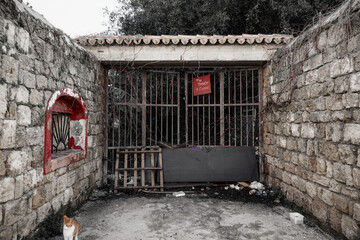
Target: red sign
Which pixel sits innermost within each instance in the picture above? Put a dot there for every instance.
(201, 85)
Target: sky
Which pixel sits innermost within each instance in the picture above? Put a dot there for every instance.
(74, 17)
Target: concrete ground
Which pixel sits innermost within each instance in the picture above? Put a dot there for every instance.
(194, 216)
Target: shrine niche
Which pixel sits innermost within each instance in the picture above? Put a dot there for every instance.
(66, 124)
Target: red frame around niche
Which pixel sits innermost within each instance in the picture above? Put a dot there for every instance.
(68, 101)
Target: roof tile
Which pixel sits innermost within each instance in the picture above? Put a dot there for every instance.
(184, 39)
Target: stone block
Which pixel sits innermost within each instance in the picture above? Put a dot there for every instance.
(7, 138)
(322, 180)
(335, 186)
(308, 131)
(349, 175)
(339, 172)
(350, 100)
(68, 194)
(352, 133)
(36, 97)
(15, 210)
(19, 186)
(347, 154)
(341, 203)
(57, 201)
(41, 81)
(330, 151)
(17, 162)
(311, 189)
(355, 82)
(335, 219)
(334, 102)
(321, 166)
(326, 196)
(34, 136)
(335, 68)
(26, 78)
(20, 94)
(3, 100)
(10, 69)
(38, 198)
(23, 115)
(61, 183)
(27, 224)
(346, 65)
(7, 189)
(349, 227)
(356, 214)
(320, 210)
(356, 176)
(313, 63)
(30, 180)
(351, 193)
(342, 84)
(335, 35)
(23, 39)
(342, 116)
(42, 212)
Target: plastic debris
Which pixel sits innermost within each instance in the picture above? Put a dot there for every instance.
(257, 185)
(296, 218)
(252, 192)
(178, 194)
(237, 187)
(232, 186)
(226, 188)
(259, 192)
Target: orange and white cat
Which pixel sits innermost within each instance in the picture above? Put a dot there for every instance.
(71, 228)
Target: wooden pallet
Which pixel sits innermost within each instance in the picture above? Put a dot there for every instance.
(135, 155)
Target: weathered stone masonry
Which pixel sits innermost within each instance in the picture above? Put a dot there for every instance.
(35, 61)
(311, 143)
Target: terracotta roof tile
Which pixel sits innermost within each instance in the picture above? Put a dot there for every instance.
(184, 39)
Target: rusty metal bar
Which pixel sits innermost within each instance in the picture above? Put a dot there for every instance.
(125, 166)
(167, 109)
(192, 112)
(215, 125)
(229, 110)
(125, 112)
(186, 111)
(178, 110)
(150, 108)
(142, 168)
(222, 129)
(247, 109)
(152, 171)
(135, 169)
(143, 123)
(161, 172)
(235, 115)
(172, 109)
(203, 113)
(156, 115)
(252, 108)
(241, 109)
(261, 125)
(116, 178)
(161, 108)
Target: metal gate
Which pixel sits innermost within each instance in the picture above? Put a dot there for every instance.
(150, 108)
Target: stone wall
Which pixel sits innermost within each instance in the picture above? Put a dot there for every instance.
(312, 120)
(35, 60)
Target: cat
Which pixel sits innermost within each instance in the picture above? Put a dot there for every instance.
(71, 228)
